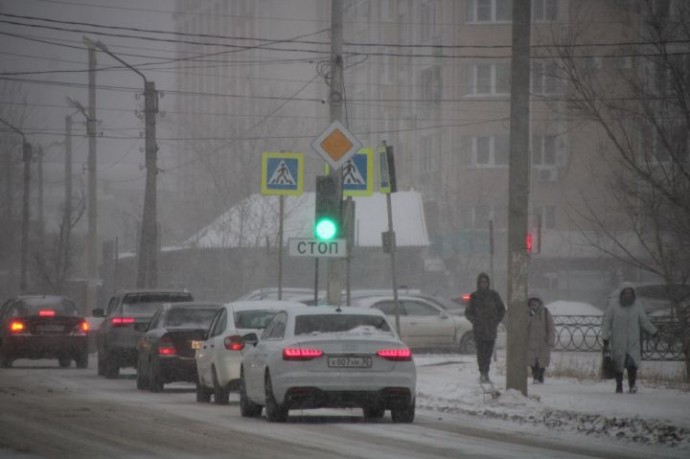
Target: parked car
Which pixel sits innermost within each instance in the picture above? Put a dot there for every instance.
(43, 327)
(219, 356)
(426, 325)
(316, 357)
(167, 349)
(127, 316)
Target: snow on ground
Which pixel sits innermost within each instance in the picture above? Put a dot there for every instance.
(656, 415)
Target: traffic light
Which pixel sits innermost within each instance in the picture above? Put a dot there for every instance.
(327, 206)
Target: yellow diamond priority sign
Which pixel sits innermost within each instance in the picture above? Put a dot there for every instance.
(336, 145)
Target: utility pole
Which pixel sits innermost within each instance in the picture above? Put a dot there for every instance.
(335, 265)
(92, 287)
(40, 219)
(518, 201)
(67, 215)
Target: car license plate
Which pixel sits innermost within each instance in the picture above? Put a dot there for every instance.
(350, 361)
(196, 344)
(50, 328)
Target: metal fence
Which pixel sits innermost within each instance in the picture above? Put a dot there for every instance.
(583, 334)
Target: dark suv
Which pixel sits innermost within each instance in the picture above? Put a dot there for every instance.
(126, 318)
(43, 327)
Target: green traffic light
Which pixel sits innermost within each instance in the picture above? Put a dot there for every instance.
(325, 229)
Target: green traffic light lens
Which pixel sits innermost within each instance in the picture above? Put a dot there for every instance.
(325, 229)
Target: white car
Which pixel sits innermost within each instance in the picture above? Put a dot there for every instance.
(218, 358)
(328, 357)
(426, 325)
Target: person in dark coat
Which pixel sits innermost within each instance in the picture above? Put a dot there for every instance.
(485, 311)
(541, 337)
(620, 331)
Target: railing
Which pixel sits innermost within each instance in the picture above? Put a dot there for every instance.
(583, 334)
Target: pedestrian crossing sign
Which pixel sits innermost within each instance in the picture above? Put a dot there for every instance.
(358, 173)
(282, 173)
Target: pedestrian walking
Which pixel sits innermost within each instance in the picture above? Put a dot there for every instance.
(621, 329)
(541, 337)
(485, 311)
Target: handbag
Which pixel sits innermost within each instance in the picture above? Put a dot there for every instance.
(608, 370)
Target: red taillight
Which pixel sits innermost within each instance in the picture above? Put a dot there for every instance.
(166, 347)
(298, 353)
(17, 326)
(46, 313)
(233, 343)
(121, 321)
(84, 326)
(401, 355)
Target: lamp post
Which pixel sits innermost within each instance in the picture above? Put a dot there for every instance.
(147, 273)
(26, 158)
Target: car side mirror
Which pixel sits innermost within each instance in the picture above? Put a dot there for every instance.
(98, 312)
(250, 339)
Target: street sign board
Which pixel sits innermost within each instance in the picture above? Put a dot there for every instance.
(336, 144)
(282, 173)
(358, 174)
(298, 247)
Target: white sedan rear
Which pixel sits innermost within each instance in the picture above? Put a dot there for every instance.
(328, 357)
(218, 358)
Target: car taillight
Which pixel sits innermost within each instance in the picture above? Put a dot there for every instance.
(166, 347)
(401, 355)
(121, 321)
(81, 328)
(17, 326)
(233, 343)
(46, 313)
(298, 353)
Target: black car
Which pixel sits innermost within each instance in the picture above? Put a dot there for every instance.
(43, 327)
(126, 318)
(166, 351)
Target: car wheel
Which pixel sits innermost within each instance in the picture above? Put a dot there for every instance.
(203, 395)
(155, 380)
(248, 409)
(373, 412)
(467, 344)
(275, 412)
(110, 368)
(82, 360)
(64, 362)
(403, 415)
(5, 360)
(142, 379)
(221, 395)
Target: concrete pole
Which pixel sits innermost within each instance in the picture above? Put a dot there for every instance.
(92, 265)
(40, 218)
(335, 265)
(518, 192)
(67, 215)
(26, 216)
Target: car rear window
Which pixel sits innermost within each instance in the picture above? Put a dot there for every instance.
(190, 317)
(62, 307)
(142, 303)
(338, 323)
(256, 318)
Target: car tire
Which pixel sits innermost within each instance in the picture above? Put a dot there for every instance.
(142, 378)
(221, 395)
(373, 412)
(248, 409)
(203, 395)
(467, 344)
(275, 412)
(404, 415)
(155, 380)
(110, 368)
(82, 360)
(5, 360)
(64, 362)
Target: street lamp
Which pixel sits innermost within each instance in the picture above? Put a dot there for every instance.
(147, 274)
(26, 158)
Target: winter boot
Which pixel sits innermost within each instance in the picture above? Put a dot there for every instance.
(619, 383)
(535, 374)
(632, 377)
(484, 378)
(541, 375)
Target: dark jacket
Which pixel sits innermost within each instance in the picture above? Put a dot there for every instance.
(485, 310)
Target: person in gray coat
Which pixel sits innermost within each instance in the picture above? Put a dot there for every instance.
(541, 337)
(620, 331)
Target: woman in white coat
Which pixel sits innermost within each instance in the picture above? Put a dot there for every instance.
(621, 328)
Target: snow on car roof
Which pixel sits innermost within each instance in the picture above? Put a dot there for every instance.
(246, 305)
(573, 308)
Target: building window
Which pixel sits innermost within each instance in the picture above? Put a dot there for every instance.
(489, 151)
(544, 151)
(545, 79)
(489, 10)
(478, 217)
(432, 86)
(546, 215)
(488, 79)
(544, 10)
(428, 19)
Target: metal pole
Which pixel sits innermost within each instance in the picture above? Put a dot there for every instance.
(281, 200)
(92, 286)
(335, 265)
(41, 223)
(391, 236)
(67, 216)
(26, 210)
(518, 201)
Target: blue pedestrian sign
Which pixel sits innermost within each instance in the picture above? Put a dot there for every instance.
(358, 173)
(282, 173)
